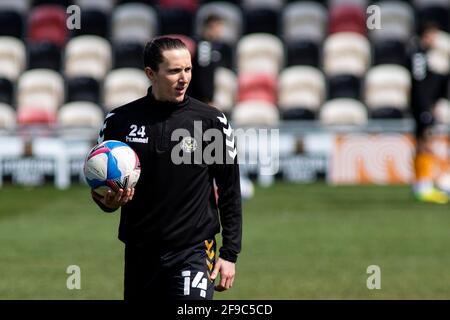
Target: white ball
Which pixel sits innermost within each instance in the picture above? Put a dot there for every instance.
(111, 165)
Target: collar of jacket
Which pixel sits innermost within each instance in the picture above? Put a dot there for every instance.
(166, 105)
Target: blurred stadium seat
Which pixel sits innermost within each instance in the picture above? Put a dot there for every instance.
(347, 18)
(7, 117)
(124, 85)
(6, 91)
(304, 21)
(254, 86)
(346, 53)
(94, 22)
(225, 89)
(397, 19)
(44, 55)
(83, 89)
(387, 91)
(40, 93)
(12, 57)
(262, 16)
(255, 113)
(260, 53)
(134, 22)
(11, 23)
(80, 114)
(343, 111)
(88, 55)
(48, 23)
(301, 92)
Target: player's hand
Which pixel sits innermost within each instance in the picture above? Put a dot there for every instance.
(112, 200)
(227, 272)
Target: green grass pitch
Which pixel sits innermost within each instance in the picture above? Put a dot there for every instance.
(299, 242)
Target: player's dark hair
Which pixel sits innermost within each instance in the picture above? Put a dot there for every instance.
(153, 51)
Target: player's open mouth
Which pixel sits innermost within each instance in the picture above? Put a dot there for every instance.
(180, 90)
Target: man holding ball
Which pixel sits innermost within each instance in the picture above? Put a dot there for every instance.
(170, 219)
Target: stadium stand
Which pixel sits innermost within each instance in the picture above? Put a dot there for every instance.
(311, 52)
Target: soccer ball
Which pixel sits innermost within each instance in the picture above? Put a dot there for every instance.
(111, 165)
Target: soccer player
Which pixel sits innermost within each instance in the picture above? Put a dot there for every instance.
(169, 221)
(430, 70)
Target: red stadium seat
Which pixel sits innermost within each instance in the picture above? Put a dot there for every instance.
(347, 18)
(257, 87)
(48, 23)
(30, 115)
(188, 5)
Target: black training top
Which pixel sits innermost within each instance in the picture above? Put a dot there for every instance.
(174, 204)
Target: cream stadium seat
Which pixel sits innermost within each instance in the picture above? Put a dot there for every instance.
(387, 87)
(397, 20)
(301, 87)
(12, 58)
(304, 20)
(346, 53)
(80, 114)
(231, 15)
(40, 88)
(225, 89)
(134, 22)
(343, 111)
(124, 85)
(442, 111)
(88, 55)
(260, 53)
(255, 113)
(7, 117)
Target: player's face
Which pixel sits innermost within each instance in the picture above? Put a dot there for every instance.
(172, 79)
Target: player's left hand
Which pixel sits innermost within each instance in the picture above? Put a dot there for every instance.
(227, 272)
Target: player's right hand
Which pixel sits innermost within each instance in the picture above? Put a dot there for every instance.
(116, 200)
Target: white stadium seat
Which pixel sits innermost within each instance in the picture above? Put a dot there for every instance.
(88, 55)
(12, 58)
(301, 86)
(225, 89)
(124, 85)
(40, 89)
(255, 113)
(343, 111)
(80, 114)
(304, 21)
(387, 86)
(7, 117)
(260, 53)
(134, 22)
(346, 53)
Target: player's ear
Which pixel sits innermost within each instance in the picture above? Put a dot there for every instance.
(150, 73)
